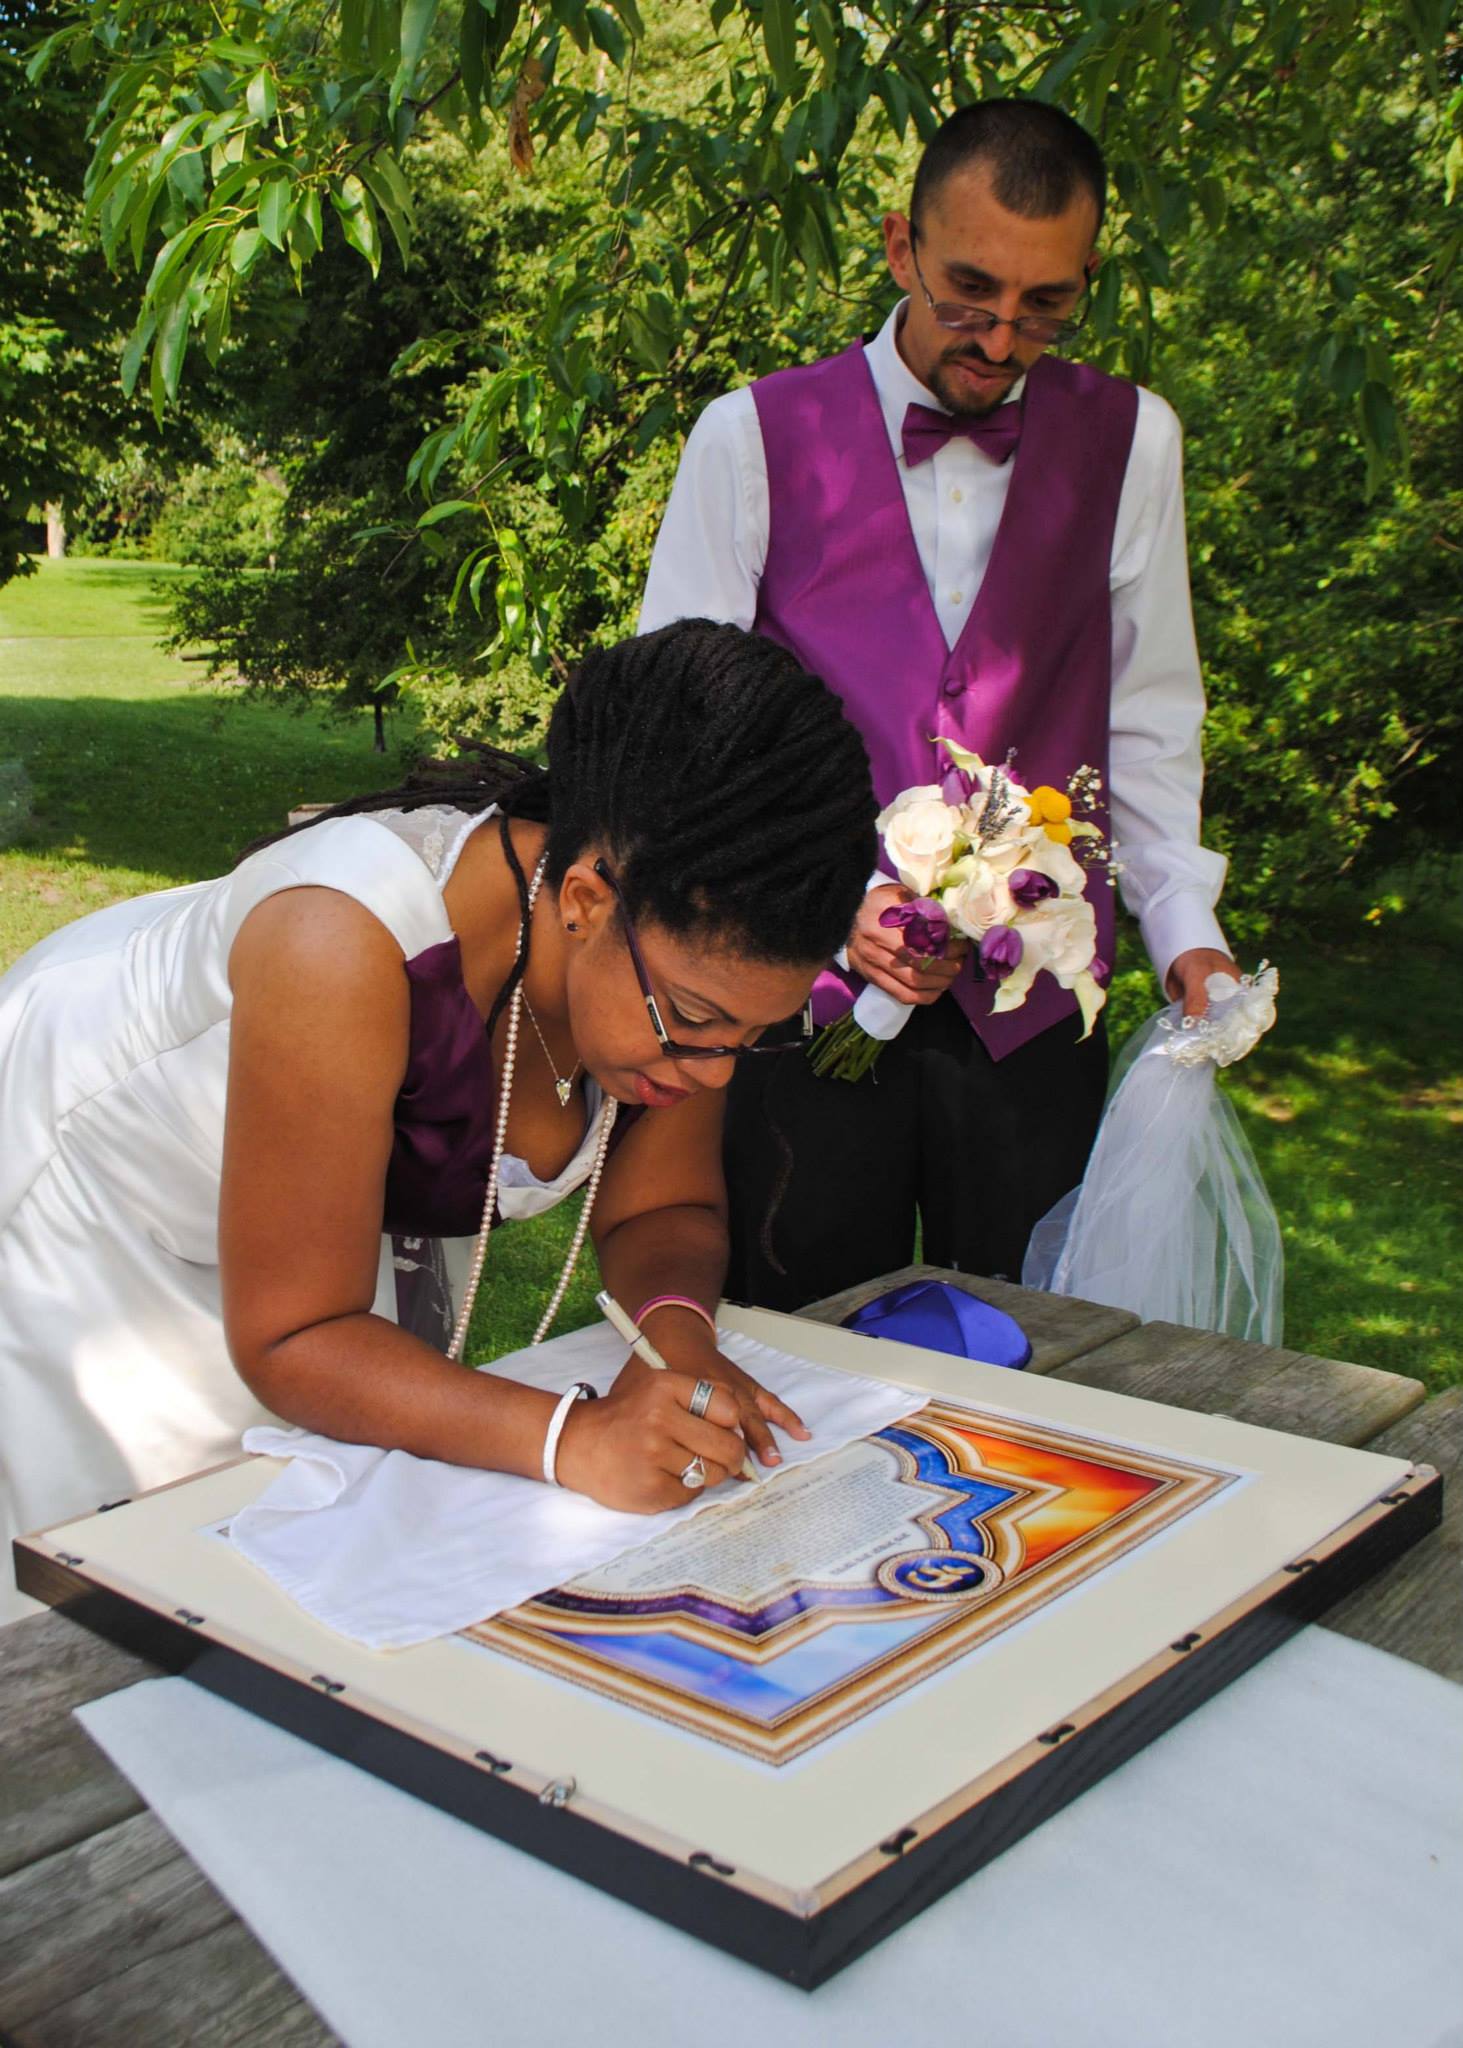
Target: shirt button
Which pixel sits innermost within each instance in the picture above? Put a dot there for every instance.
(958, 495)
(954, 687)
(956, 596)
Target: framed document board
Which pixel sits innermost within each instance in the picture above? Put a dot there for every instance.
(789, 1724)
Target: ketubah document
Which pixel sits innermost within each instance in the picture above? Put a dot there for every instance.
(802, 1605)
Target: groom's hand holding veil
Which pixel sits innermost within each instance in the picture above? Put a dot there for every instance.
(1188, 974)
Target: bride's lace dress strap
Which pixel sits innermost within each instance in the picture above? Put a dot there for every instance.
(436, 833)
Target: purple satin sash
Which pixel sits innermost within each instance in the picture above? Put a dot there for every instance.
(943, 1318)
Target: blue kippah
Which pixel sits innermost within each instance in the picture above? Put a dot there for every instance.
(943, 1318)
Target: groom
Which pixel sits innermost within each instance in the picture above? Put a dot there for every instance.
(965, 535)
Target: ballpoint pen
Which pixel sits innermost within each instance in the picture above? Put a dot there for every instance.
(641, 1345)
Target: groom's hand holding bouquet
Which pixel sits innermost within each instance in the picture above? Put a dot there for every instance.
(982, 862)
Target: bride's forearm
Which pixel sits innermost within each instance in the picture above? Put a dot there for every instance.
(362, 1380)
(680, 1250)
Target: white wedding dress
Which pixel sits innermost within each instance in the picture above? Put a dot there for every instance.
(114, 1038)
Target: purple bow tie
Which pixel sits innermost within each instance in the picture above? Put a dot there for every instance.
(926, 431)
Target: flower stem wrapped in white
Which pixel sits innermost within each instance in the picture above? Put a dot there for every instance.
(1172, 1219)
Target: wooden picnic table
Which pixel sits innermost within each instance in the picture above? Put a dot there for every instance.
(110, 1934)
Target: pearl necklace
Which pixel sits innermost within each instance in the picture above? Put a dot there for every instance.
(609, 1110)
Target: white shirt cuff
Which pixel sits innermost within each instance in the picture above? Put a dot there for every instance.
(1176, 922)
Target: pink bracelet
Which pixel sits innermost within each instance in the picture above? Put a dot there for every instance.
(677, 1301)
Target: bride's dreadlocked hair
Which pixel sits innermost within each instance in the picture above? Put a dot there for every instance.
(721, 779)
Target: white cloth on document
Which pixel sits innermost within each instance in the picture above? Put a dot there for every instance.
(391, 1549)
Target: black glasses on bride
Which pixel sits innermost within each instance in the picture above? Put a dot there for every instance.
(786, 1036)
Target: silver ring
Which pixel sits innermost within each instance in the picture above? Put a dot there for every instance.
(701, 1399)
(693, 1476)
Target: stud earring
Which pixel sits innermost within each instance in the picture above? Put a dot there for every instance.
(571, 927)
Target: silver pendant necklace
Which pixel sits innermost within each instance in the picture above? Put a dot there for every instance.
(563, 1087)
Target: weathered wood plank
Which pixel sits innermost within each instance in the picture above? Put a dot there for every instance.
(1258, 1383)
(1416, 1609)
(1058, 1327)
(56, 1787)
(121, 1940)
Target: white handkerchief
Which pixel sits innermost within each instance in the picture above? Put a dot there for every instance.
(392, 1549)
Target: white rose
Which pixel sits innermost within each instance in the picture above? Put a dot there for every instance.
(921, 833)
(976, 894)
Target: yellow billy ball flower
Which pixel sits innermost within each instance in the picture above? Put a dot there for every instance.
(1061, 832)
(1050, 805)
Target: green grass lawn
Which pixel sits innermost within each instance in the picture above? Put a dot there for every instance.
(1354, 1104)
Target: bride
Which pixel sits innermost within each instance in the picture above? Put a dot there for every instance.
(240, 1119)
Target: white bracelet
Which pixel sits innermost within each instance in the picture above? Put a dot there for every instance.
(580, 1391)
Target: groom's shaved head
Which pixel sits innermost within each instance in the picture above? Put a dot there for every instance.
(1039, 159)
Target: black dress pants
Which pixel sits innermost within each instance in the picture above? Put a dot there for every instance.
(826, 1178)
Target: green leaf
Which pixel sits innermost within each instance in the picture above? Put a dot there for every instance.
(169, 349)
(512, 609)
(185, 176)
(394, 200)
(472, 42)
(216, 327)
(1065, 63)
(276, 204)
(244, 249)
(1379, 419)
(447, 508)
(137, 347)
(261, 98)
(417, 17)
(310, 214)
(358, 220)
(1348, 371)
(1105, 296)
(656, 420)
(1213, 200)
(825, 36)
(608, 35)
(1453, 170)
(779, 32)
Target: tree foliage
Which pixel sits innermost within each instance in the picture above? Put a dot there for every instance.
(58, 306)
(581, 226)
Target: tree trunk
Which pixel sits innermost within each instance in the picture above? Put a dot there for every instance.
(380, 729)
(55, 532)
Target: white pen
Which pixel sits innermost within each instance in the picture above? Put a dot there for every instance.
(642, 1347)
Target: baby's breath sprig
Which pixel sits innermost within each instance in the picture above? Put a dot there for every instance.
(1084, 789)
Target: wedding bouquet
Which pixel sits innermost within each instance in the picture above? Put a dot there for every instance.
(999, 864)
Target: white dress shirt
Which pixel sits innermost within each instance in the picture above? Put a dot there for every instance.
(712, 547)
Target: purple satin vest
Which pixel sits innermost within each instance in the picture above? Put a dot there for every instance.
(845, 591)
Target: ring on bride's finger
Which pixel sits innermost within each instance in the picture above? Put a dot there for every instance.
(701, 1398)
(693, 1475)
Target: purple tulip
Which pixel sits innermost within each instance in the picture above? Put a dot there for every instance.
(1000, 951)
(1029, 887)
(1101, 971)
(924, 924)
(956, 787)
